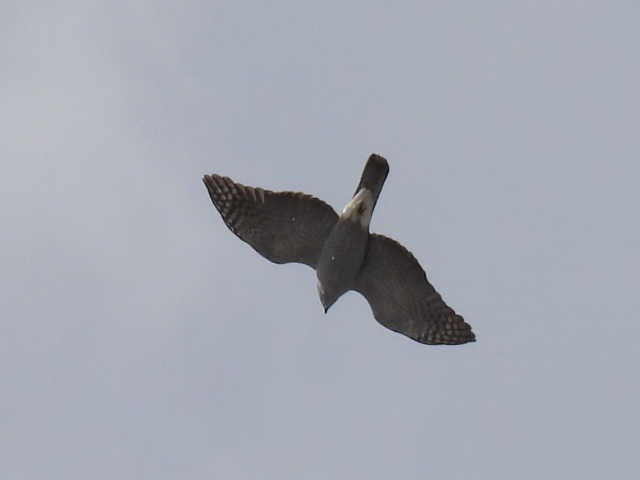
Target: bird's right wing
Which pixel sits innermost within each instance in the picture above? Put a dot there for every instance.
(283, 227)
(403, 300)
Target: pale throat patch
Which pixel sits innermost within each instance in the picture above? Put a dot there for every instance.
(360, 208)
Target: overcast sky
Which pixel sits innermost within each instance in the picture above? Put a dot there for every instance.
(140, 339)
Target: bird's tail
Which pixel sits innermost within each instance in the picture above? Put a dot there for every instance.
(373, 176)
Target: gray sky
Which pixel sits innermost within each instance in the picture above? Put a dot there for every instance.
(141, 340)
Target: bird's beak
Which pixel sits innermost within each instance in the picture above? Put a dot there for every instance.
(321, 294)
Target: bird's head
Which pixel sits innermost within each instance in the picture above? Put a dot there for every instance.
(325, 297)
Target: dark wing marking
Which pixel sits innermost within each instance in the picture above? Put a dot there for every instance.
(283, 227)
(403, 300)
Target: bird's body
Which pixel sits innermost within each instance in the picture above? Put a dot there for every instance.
(294, 227)
(344, 249)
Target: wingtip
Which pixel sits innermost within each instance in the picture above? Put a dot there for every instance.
(468, 337)
(208, 183)
(207, 179)
(212, 181)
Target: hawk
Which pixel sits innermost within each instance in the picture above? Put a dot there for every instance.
(295, 227)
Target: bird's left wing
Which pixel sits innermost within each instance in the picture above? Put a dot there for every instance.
(283, 227)
(403, 300)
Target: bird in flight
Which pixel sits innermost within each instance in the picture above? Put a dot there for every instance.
(287, 227)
